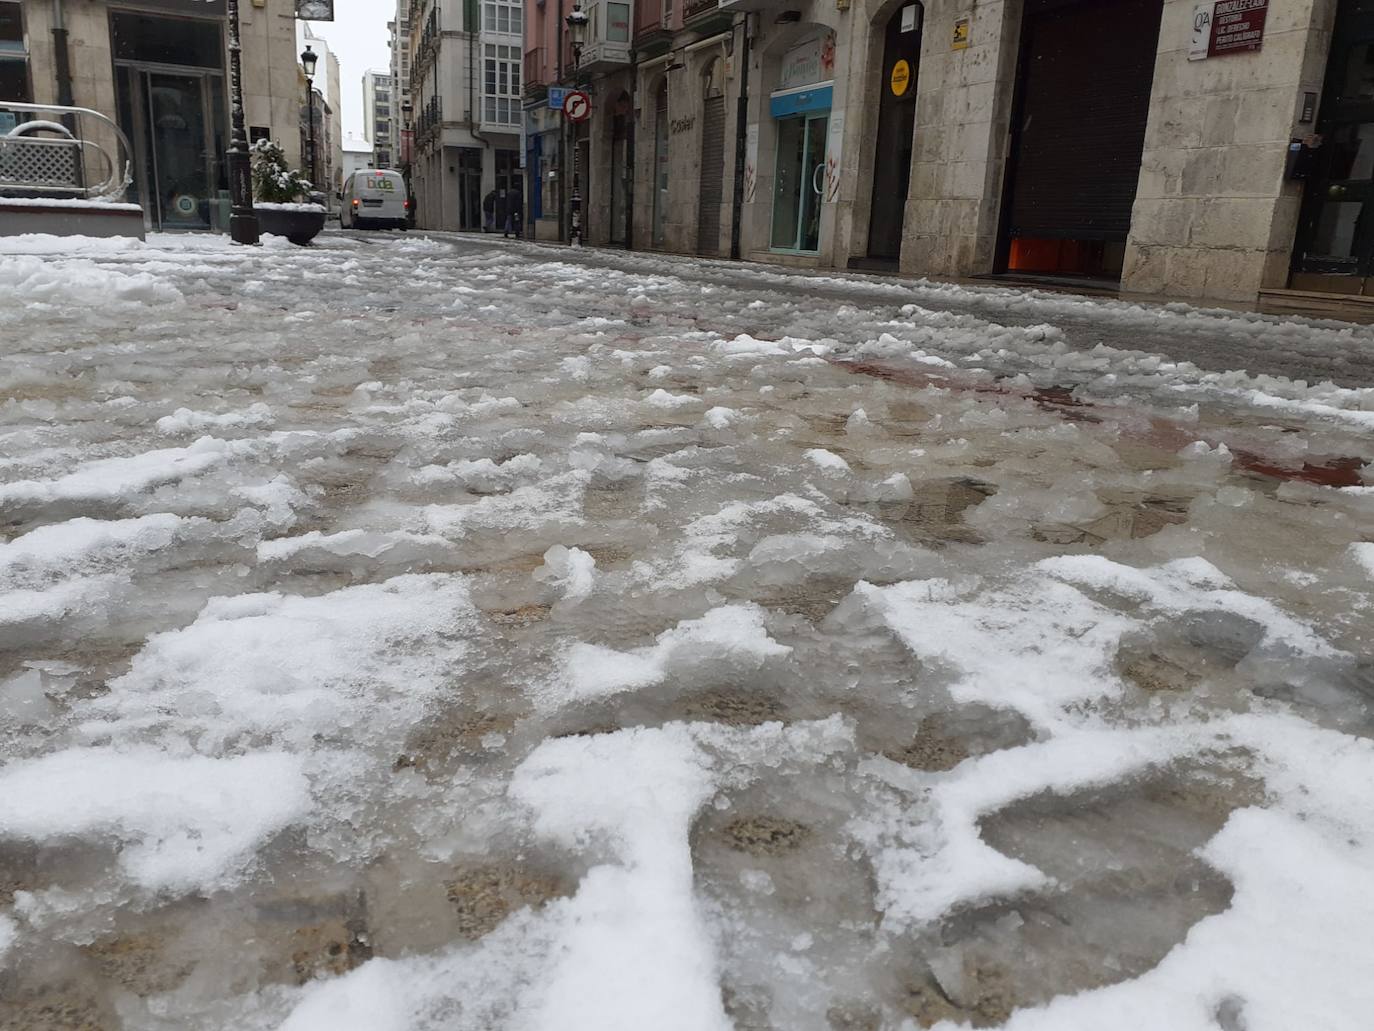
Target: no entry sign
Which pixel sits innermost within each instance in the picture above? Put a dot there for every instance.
(577, 106)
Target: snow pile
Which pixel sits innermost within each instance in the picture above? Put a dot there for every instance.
(27, 280)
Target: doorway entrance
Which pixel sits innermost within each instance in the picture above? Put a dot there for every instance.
(896, 129)
(171, 104)
(711, 179)
(1335, 242)
(799, 183)
(470, 188)
(1087, 70)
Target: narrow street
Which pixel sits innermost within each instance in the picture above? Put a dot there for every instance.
(438, 632)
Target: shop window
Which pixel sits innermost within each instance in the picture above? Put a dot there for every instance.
(177, 41)
(14, 57)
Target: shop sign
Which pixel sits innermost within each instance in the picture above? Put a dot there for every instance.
(901, 78)
(677, 126)
(315, 10)
(961, 34)
(201, 7)
(1223, 27)
(808, 62)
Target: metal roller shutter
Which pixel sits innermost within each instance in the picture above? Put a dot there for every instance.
(710, 188)
(1087, 72)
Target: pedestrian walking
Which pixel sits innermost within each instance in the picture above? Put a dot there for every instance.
(489, 212)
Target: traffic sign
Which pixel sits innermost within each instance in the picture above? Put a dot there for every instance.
(577, 106)
(557, 94)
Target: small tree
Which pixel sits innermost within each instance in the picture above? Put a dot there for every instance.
(273, 180)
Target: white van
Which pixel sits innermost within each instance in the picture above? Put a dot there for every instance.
(374, 198)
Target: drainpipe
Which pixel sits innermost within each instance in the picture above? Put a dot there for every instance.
(61, 55)
(741, 146)
(630, 151)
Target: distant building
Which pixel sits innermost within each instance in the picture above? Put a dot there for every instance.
(330, 141)
(378, 116)
(399, 28)
(357, 155)
(466, 84)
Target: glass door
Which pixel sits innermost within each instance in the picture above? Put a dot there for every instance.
(1335, 248)
(183, 155)
(800, 183)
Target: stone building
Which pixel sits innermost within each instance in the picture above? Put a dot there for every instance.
(465, 85)
(1175, 147)
(158, 68)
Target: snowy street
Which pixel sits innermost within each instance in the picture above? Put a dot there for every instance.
(452, 634)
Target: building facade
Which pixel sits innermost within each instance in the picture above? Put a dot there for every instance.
(158, 68)
(399, 29)
(378, 113)
(1210, 150)
(466, 85)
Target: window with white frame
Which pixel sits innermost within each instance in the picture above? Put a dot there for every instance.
(502, 16)
(501, 85)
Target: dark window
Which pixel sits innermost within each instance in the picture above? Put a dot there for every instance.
(14, 60)
(257, 133)
(180, 41)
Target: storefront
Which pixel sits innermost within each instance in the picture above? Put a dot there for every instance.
(1335, 244)
(800, 107)
(1083, 99)
(894, 139)
(170, 92)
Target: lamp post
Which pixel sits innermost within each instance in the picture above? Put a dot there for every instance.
(308, 61)
(577, 32)
(243, 223)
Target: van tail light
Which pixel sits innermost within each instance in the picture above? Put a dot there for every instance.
(356, 202)
(406, 204)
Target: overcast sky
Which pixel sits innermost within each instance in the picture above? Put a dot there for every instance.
(358, 38)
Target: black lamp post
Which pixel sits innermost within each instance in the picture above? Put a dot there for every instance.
(243, 223)
(308, 61)
(577, 32)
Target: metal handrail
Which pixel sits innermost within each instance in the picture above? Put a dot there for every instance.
(120, 176)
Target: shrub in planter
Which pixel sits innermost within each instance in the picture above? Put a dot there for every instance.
(277, 191)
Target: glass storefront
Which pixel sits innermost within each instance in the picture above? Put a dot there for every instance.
(799, 185)
(169, 75)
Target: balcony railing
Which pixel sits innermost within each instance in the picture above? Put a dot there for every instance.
(537, 72)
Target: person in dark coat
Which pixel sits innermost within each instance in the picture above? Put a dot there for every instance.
(489, 212)
(515, 213)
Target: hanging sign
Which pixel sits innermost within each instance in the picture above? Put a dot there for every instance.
(315, 10)
(961, 29)
(577, 106)
(1223, 27)
(901, 78)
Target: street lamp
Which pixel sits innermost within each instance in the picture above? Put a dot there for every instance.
(577, 33)
(243, 223)
(308, 61)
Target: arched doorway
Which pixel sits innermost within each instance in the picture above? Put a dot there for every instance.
(710, 185)
(896, 132)
(660, 162)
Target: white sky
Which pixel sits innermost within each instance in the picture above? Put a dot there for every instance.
(358, 38)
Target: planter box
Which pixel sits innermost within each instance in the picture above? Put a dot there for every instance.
(299, 223)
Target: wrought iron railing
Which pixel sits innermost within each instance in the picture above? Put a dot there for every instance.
(56, 156)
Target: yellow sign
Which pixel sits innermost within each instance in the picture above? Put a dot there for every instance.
(960, 34)
(901, 78)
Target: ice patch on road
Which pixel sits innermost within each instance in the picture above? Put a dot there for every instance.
(183, 822)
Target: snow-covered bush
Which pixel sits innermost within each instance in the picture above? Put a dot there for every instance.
(273, 180)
